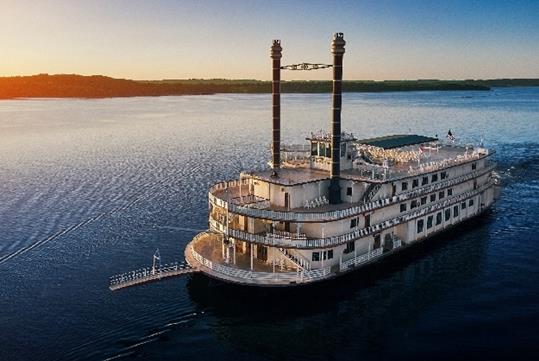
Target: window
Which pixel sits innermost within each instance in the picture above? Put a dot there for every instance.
(403, 207)
(314, 148)
(434, 178)
(425, 181)
(349, 191)
(353, 223)
(433, 197)
(328, 151)
(429, 222)
(450, 192)
(316, 256)
(447, 214)
(413, 204)
(330, 254)
(404, 186)
(456, 211)
(441, 194)
(420, 225)
(415, 183)
(321, 149)
(343, 150)
(438, 218)
(463, 205)
(443, 175)
(350, 247)
(474, 166)
(470, 203)
(423, 201)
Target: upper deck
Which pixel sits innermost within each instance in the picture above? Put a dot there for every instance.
(375, 160)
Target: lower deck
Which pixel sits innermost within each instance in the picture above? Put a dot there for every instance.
(241, 262)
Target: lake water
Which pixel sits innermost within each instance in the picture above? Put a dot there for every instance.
(90, 188)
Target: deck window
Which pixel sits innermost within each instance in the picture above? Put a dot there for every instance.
(441, 194)
(429, 222)
(403, 207)
(349, 191)
(404, 186)
(447, 214)
(433, 197)
(328, 151)
(423, 201)
(330, 254)
(470, 203)
(316, 256)
(353, 223)
(413, 204)
(456, 211)
(434, 178)
(450, 192)
(438, 218)
(420, 224)
(425, 181)
(415, 183)
(314, 148)
(463, 205)
(350, 247)
(343, 150)
(474, 166)
(443, 175)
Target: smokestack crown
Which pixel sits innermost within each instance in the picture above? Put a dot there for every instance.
(276, 50)
(338, 43)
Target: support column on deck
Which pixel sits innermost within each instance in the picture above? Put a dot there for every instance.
(251, 245)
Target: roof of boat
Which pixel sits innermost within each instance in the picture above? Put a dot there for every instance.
(397, 140)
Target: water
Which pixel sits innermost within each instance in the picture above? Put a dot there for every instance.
(90, 188)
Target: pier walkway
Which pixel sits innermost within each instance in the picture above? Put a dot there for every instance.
(149, 274)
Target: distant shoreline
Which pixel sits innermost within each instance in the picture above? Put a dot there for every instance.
(88, 87)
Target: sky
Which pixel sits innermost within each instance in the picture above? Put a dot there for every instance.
(386, 40)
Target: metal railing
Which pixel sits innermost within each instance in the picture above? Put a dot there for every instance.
(148, 274)
(249, 276)
(361, 259)
(351, 236)
(298, 216)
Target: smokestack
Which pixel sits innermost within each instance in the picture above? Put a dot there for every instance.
(337, 48)
(276, 96)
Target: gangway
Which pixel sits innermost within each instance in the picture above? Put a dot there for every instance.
(150, 274)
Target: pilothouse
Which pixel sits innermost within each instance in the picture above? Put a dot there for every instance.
(338, 202)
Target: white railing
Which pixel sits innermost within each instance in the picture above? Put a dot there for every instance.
(356, 234)
(295, 258)
(344, 213)
(364, 258)
(147, 274)
(261, 277)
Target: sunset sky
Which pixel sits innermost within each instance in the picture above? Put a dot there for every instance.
(231, 39)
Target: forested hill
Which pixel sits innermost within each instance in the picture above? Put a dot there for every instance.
(78, 86)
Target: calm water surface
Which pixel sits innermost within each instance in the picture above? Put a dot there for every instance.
(90, 188)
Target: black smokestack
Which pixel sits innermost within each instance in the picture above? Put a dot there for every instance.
(337, 48)
(276, 95)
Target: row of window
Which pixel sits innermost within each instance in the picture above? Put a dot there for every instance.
(424, 180)
(323, 149)
(422, 201)
(439, 216)
(324, 255)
